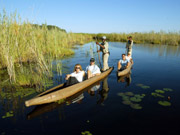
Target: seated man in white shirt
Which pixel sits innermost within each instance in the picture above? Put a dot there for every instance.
(123, 63)
(92, 69)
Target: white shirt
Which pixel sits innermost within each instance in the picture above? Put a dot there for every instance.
(128, 58)
(93, 68)
(95, 88)
(79, 75)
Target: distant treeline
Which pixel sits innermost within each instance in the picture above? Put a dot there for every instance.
(49, 27)
(163, 38)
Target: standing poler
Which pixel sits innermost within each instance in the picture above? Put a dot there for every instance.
(105, 52)
(129, 45)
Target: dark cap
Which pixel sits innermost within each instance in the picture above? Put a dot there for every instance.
(92, 60)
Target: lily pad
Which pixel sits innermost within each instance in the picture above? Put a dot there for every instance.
(136, 106)
(157, 95)
(129, 93)
(86, 133)
(167, 89)
(125, 97)
(143, 95)
(159, 91)
(120, 94)
(164, 103)
(127, 102)
(8, 114)
(134, 99)
(138, 96)
(145, 87)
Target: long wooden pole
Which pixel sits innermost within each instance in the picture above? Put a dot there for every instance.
(98, 55)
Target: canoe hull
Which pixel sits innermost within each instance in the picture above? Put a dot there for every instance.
(66, 92)
(125, 71)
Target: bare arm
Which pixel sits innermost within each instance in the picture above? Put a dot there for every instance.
(127, 65)
(100, 45)
(119, 65)
(67, 76)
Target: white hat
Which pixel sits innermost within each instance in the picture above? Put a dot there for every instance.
(104, 37)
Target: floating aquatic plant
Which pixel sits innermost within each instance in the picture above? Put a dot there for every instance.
(159, 91)
(139, 96)
(143, 86)
(143, 95)
(135, 99)
(86, 133)
(125, 97)
(167, 89)
(129, 97)
(164, 103)
(127, 102)
(157, 95)
(120, 94)
(129, 93)
(8, 114)
(136, 106)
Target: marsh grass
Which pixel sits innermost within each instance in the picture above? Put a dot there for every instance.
(162, 37)
(22, 43)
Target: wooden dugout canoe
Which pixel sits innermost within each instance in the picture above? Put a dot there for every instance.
(41, 109)
(54, 94)
(125, 71)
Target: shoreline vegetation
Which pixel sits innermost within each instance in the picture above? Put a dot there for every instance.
(28, 50)
(161, 38)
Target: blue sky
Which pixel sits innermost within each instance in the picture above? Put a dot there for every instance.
(100, 16)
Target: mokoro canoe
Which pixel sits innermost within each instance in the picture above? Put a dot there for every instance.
(125, 71)
(41, 109)
(54, 94)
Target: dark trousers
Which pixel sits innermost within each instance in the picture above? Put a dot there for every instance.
(122, 68)
(71, 81)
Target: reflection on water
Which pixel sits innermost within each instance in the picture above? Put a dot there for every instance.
(104, 91)
(161, 50)
(128, 107)
(125, 79)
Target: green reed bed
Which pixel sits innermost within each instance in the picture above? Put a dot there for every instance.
(27, 50)
(163, 38)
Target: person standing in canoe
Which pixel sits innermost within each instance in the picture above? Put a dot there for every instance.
(92, 69)
(123, 63)
(129, 45)
(76, 76)
(105, 52)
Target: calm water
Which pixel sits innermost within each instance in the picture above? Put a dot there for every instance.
(111, 108)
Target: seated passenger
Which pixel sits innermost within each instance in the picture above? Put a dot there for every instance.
(92, 69)
(123, 63)
(76, 76)
(129, 58)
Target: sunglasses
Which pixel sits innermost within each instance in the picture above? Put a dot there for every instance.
(77, 67)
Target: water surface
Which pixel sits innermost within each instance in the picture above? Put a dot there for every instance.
(110, 109)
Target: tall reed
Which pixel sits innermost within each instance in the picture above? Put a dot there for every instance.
(22, 42)
(162, 37)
